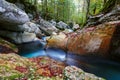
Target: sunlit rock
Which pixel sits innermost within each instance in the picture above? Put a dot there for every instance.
(57, 41)
(11, 14)
(76, 27)
(94, 40)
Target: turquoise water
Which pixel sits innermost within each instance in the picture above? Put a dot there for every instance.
(107, 69)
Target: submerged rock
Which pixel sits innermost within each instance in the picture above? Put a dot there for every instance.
(7, 47)
(11, 14)
(18, 37)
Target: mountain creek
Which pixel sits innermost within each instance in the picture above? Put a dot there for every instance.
(66, 44)
(106, 68)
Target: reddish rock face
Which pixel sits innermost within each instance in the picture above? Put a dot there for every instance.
(48, 67)
(94, 40)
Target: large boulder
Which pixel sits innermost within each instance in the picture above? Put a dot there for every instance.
(7, 47)
(88, 41)
(11, 14)
(47, 27)
(27, 27)
(18, 37)
(61, 25)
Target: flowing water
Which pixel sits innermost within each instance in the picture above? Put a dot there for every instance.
(107, 69)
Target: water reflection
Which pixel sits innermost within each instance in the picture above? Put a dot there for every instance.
(32, 49)
(56, 54)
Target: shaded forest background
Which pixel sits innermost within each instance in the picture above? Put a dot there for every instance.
(75, 11)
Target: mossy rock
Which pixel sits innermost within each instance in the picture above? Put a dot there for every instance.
(7, 47)
(74, 73)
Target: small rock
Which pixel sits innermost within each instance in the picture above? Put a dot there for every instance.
(67, 31)
(61, 25)
(53, 22)
(46, 27)
(76, 26)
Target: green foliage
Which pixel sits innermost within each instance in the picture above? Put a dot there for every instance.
(65, 10)
(95, 7)
(57, 9)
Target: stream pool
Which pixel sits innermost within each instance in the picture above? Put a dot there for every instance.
(107, 69)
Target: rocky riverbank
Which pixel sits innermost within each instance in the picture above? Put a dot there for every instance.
(39, 68)
(14, 67)
(15, 24)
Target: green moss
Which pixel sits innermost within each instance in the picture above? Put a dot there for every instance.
(8, 44)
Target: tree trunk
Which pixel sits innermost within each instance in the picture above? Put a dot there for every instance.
(109, 5)
(46, 9)
(87, 13)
